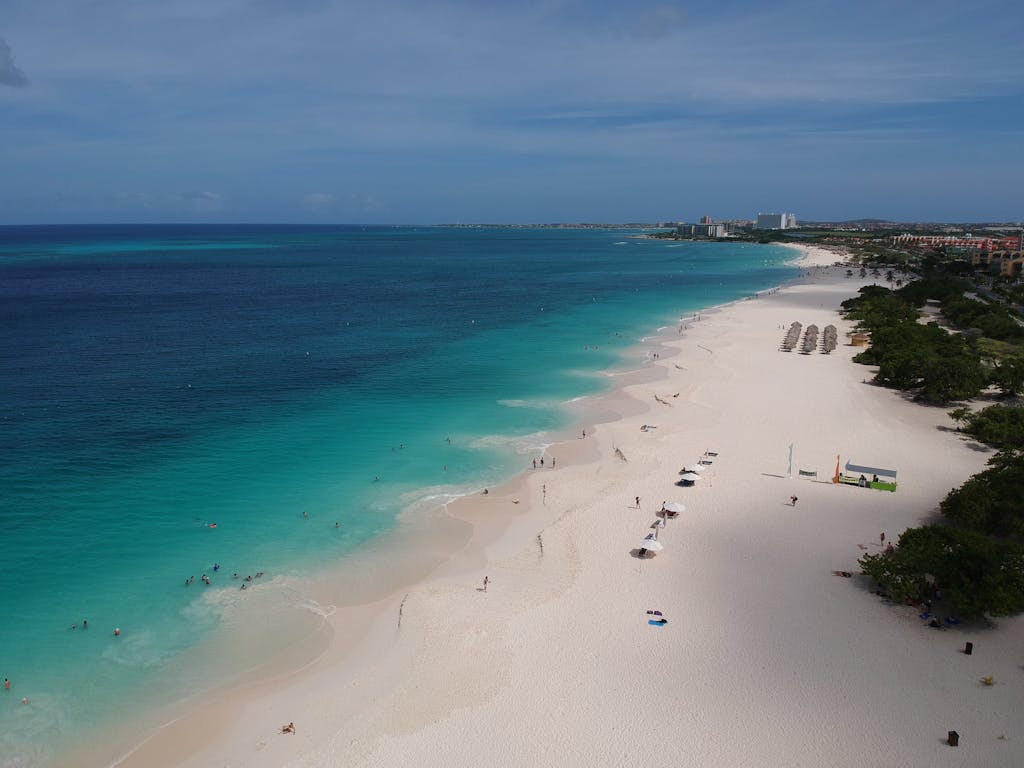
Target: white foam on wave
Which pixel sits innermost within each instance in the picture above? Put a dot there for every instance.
(308, 604)
(613, 374)
(138, 650)
(445, 498)
(520, 444)
(33, 729)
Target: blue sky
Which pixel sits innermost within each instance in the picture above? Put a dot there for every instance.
(393, 111)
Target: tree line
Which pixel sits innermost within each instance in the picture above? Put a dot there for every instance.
(974, 559)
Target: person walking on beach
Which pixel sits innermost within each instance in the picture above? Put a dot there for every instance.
(638, 502)
(486, 582)
(534, 463)
(792, 501)
(881, 539)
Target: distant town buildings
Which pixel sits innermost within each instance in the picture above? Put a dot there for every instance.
(775, 221)
(953, 241)
(1007, 263)
(706, 229)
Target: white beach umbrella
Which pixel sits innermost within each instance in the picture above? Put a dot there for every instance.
(651, 545)
(675, 506)
(691, 477)
(694, 468)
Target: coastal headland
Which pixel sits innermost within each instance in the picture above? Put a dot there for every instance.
(760, 654)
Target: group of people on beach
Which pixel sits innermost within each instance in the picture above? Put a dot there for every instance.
(207, 581)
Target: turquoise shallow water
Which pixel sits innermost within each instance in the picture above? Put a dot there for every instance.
(160, 380)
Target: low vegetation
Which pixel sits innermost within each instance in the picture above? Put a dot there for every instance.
(974, 559)
(973, 574)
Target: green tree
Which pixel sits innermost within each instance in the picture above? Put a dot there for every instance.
(952, 371)
(991, 502)
(976, 576)
(1008, 374)
(960, 416)
(1001, 426)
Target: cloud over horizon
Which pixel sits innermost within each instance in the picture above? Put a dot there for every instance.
(542, 110)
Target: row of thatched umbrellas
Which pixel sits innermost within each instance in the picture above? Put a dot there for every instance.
(792, 337)
(828, 343)
(810, 340)
(829, 339)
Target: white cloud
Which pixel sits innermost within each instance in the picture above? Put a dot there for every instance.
(318, 201)
(658, 21)
(10, 74)
(203, 202)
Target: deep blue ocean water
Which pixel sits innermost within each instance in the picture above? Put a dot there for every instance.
(159, 380)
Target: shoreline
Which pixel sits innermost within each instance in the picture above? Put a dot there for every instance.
(333, 587)
(457, 555)
(404, 685)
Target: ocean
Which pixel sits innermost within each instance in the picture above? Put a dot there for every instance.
(181, 401)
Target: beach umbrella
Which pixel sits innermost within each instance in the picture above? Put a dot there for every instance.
(675, 506)
(651, 545)
(691, 477)
(694, 468)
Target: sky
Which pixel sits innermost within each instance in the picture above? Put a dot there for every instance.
(489, 111)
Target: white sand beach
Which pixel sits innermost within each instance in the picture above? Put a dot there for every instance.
(767, 658)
